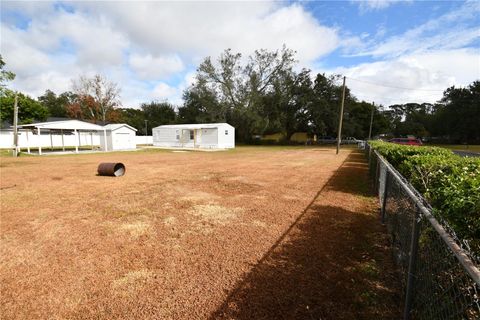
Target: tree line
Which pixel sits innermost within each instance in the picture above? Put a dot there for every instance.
(259, 94)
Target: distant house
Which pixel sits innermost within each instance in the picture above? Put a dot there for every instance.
(120, 136)
(203, 136)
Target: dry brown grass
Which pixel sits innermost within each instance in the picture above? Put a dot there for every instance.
(169, 240)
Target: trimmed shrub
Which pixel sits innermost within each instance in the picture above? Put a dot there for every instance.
(450, 183)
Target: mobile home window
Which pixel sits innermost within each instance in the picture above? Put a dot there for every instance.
(177, 133)
(226, 132)
(191, 135)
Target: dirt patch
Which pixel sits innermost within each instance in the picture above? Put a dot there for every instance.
(191, 236)
(132, 279)
(198, 196)
(136, 229)
(332, 263)
(215, 213)
(169, 221)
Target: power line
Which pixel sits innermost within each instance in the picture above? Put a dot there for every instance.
(394, 87)
(383, 97)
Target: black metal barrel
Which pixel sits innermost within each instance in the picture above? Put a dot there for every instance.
(113, 169)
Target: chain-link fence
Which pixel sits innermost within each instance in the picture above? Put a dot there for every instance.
(438, 278)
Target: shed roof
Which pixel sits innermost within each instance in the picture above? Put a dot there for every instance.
(64, 125)
(115, 126)
(195, 126)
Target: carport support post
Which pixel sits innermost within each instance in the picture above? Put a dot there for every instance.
(51, 140)
(39, 141)
(76, 143)
(91, 138)
(105, 139)
(28, 142)
(63, 143)
(194, 138)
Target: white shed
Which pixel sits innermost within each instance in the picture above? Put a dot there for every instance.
(203, 136)
(120, 136)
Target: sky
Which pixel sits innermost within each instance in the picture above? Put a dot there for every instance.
(390, 51)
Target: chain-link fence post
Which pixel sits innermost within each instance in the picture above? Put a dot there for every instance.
(412, 265)
(377, 175)
(385, 195)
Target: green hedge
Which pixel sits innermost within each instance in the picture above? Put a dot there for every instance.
(450, 183)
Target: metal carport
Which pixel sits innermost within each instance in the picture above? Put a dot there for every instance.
(75, 126)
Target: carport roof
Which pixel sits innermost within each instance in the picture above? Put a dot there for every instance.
(64, 125)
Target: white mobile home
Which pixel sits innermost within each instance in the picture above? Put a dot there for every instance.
(203, 136)
(120, 136)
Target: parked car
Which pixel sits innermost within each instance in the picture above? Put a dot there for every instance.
(407, 141)
(326, 140)
(350, 140)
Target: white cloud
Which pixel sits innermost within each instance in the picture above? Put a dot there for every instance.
(427, 73)
(449, 31)
(151, 48)
(207, 28)
(58, 46)
(136, 43)
(150, 67)
(367, 5)
(163, 91)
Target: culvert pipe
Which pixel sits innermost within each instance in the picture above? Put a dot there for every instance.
(113, 169)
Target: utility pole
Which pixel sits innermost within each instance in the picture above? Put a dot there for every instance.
(339, 137)
(15, 128)
(146, 132)
(371, 122)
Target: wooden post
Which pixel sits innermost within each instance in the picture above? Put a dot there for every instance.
(15, 126)
(39, 141)
(339, 137)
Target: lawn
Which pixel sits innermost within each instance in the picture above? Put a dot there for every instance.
(257, 232)
(459, 147)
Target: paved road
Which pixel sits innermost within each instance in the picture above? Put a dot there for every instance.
(466, 153)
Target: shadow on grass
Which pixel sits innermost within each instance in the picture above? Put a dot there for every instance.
(331, 264)
(352, 177)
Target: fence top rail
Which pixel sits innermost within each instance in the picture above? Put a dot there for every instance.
(459, 253)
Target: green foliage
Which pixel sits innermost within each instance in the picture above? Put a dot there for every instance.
(234, 91)
(455, 118)
(158, 113)
(5, 76)
(450, 183)
(57, 105)
(459, 114)
(264, 94)
(134, 118)
(396, 154)
(28, 108)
